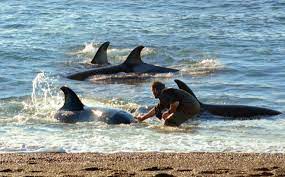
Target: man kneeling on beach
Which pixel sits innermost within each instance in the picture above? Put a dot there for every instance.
(179, 105)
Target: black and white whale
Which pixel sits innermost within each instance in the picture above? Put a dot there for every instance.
(231, 111)
(133, 64)
(74, 111)
(100, 58)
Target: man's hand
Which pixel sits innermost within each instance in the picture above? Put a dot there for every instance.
(140, 118)
(172, 109)
(165, 115)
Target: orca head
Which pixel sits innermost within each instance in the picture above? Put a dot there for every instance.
(121, 117)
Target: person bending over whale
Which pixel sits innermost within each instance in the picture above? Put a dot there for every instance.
(180, 105)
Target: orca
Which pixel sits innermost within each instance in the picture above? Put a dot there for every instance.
(230, 111)
(100, 58)
(133, 64)
(74, 111)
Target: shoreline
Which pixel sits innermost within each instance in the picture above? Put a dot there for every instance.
(142, 164)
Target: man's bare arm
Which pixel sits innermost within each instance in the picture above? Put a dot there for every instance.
(151, 113)
(171, 110)
(173, 107)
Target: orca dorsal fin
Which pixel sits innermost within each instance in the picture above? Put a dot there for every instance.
(134, 57)
(181, 85)
(71, 100)
(100, 57)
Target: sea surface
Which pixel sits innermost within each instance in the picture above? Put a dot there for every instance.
(228, 52)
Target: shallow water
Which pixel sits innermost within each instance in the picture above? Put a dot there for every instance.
(229, 52)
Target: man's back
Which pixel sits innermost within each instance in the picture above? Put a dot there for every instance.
(187, 103)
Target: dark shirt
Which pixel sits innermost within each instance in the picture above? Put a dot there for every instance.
(171, 95)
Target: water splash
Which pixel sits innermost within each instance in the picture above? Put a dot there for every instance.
(89, 48)
(117, 54)
(45, 99)
(41, 87)
(203, 67)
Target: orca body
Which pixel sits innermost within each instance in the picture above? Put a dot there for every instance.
(230, 111)
(74, 111)
(133, 64)
(100, 58)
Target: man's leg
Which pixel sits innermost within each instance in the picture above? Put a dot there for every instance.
(176, 119)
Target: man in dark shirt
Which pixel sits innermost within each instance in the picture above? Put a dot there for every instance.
(179, 104)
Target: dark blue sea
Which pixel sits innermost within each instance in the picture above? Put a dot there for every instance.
(228, 52)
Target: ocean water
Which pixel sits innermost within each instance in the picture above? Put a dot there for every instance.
(229, 52)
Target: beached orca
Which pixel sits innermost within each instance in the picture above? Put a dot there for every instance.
(133, 64)
(231, 111)
(100, 58)
(74, 111)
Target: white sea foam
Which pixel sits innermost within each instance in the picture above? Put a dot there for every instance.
(203, 67)
(89, 48)
(119, 54)
(128, 77)
(226, 136)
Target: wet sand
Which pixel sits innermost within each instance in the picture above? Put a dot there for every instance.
(142, 164)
